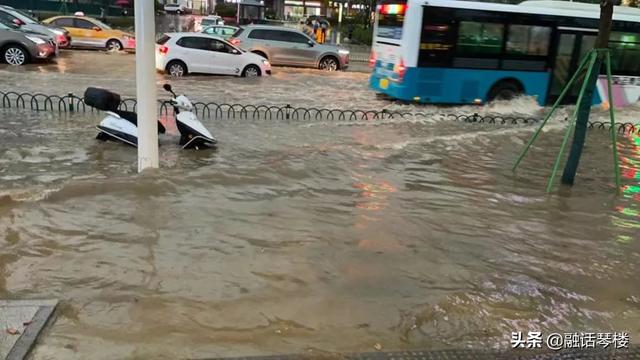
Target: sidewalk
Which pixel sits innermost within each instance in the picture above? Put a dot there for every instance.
(22, 321)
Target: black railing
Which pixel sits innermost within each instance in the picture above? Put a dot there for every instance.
(212, 110)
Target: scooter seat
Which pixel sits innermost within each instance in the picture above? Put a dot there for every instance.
(132, 117)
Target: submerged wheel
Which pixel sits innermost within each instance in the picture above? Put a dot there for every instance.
(177, 69)
(329, 63)
(505, 90)
(251, 71)
(15, 55)
(114, 45)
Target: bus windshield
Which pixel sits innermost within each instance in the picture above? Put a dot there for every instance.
(390, 20)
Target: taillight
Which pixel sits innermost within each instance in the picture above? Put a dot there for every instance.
(163, 50)
(400, 70)
(234, 41)
(61, 39)
(372, 59)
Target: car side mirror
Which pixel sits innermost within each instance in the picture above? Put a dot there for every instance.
(97, 28)
(311, 43)
(235, 52)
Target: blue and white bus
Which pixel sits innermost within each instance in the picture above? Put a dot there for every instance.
(461, 52)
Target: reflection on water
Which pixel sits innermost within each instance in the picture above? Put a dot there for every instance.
(327, 235)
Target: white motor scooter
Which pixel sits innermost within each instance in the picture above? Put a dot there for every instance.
(122, 126)
(193, 135)
(118, 125)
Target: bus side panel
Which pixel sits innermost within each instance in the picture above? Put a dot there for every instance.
(455, 85)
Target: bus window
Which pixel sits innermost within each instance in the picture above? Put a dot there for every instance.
(528, 40)
(390, 20)
(479, 38)
(625, 53)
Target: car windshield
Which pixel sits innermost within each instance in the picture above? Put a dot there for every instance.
(101, 24)
(24, 17)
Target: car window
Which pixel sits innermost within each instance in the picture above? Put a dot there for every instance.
(228, 31)
(163, 40)
(193, 42)
(6, 17)
(84, 24)
(219, 46)
(64, 22)
(238, 32)
(101, 24)
(27, 18)
(290, 36)
(259, 34)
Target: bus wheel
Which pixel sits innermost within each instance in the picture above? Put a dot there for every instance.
(505, 90)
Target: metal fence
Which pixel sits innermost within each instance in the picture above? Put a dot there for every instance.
(212, 110)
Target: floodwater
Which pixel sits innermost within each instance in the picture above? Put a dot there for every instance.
(334, 236)
(331, 236)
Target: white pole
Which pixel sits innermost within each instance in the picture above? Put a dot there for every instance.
(238, 14)
(146, 85)
(339, 22)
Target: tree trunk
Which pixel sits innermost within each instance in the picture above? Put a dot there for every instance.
(584, 108)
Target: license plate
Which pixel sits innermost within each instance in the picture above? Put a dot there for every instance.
(384, 83)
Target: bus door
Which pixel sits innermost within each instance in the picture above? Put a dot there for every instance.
(572, 46)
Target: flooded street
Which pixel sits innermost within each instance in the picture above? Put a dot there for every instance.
(324, 235)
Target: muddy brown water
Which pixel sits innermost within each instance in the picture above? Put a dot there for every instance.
(325, 235)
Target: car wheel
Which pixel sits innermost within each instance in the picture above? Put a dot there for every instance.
(114, 45)
(177, 69)
(251, 71)
(329, 63)
(15, 55)
(179, 12)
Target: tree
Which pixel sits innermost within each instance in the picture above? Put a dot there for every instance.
(584, 107)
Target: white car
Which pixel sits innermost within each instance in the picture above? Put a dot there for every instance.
(209, 20)
(175, 8)
(179, 54)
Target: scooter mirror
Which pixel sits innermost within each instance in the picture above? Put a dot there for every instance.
(167, 87)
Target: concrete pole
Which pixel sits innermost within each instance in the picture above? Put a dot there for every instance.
(146, 85)
(238, 14)
(339, 22)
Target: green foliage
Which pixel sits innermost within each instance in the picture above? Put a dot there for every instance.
(226, 9)
(269, 14)
(362, 35)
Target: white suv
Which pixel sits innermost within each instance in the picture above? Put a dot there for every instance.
(179, 54)
(175, 8)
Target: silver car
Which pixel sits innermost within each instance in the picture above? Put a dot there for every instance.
(290, 47)
(18, 47)
(28, 23)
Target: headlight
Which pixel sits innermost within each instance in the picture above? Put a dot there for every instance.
(127, 37)
(343, 51)
(36, 40)
(265, 61)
